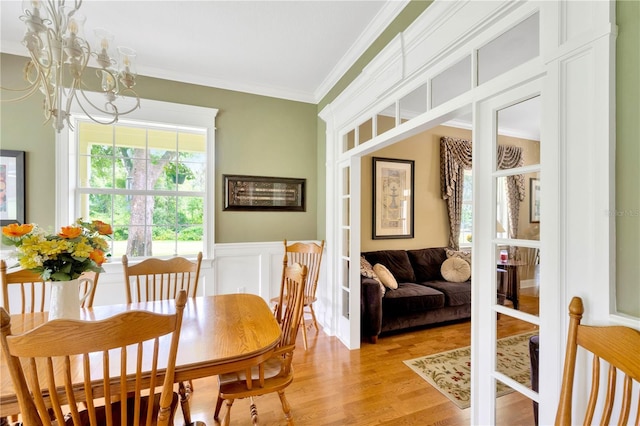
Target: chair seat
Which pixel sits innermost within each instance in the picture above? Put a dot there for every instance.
(236, 386)
(116, 415)
(272, 368)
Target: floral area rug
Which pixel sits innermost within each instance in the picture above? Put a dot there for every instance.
(450, 372)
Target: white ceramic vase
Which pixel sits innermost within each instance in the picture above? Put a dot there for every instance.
(65, 299)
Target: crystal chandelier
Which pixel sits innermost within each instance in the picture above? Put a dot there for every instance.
(59, 57)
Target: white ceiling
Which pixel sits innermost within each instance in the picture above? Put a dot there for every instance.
(293, 50)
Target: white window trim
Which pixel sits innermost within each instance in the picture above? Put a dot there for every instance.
(153, 112)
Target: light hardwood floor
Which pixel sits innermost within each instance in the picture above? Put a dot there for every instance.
(370, 386)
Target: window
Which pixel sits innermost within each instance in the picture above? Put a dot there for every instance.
(466, 220)
(466, 216)
(147, 181)
(149, 176)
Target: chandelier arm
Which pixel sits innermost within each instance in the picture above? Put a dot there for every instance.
(95, 120)
(49, 61)
(110, 108)
(136, 106)
(41, 80)
(30, 89)
(55, 12)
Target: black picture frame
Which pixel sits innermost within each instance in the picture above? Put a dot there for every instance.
(393, 198)
(534, 200)
(263, 193)
(12, 187)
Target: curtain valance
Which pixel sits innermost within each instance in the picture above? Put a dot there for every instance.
(455, 157)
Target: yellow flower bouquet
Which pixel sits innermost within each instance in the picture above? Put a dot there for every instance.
(64, 256)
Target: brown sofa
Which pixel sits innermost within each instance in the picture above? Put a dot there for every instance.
(423, 296)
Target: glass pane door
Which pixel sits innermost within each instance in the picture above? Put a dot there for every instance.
(516, 244)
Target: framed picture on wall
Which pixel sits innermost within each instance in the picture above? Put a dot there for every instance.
(11, 187)
(392, 198)
(260, 193)
(534, 200)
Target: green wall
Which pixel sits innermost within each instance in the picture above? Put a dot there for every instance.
(256, 135)
(628, 158)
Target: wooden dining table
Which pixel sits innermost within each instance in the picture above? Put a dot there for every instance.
(219, 334)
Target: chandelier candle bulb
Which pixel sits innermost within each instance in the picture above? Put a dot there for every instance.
(73, 27)
(108, 83)
(105, 39)
(128, 72)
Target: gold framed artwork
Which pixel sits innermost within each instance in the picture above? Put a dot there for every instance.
(393, 202)
(261, 193)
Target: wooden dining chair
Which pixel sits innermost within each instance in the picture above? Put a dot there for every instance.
(31, 291)
(161, 279)
(615, 346)
(310, 255)
(276, 373)
(51, 391)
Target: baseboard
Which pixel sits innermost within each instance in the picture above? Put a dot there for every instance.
(527, 283)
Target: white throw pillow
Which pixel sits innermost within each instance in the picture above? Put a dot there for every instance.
(455, 270)
(385, 276)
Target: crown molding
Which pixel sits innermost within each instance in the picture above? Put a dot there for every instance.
(382, 20)
(219, 83)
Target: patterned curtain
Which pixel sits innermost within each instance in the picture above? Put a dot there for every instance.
(455, 157)
(510, 157)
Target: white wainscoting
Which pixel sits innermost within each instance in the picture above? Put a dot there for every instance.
(236, 268)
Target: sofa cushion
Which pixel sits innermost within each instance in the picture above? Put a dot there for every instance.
(366, 270)
(385, 276)
(427, 262)
(396, 261)
(455, 270)
(456, 294)
(411, 298)
(464, 255)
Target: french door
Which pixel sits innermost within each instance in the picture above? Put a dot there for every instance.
(508, 259)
